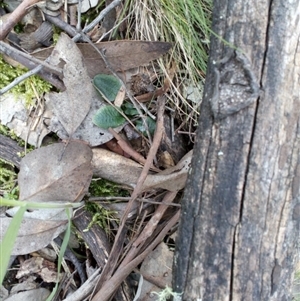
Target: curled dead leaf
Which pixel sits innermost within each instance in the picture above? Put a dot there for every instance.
(125, 171)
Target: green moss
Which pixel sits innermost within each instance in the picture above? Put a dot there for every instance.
(8, 179)
(103, 188)
(4, 130)
(102, 216)
(26, 88)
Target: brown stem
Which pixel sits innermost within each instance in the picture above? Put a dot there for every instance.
(114, 256)
(15, 17)
(112, 284)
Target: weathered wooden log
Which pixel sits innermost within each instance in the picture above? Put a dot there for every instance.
(240, 219)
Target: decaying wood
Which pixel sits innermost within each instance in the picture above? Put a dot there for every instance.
(239, 230)
(9, 150)
(95, 238)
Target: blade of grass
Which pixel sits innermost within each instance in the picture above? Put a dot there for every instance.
(186, 24)
(62, 252)
(32, 205)
(7, 244)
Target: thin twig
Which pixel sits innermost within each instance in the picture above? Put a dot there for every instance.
(187, 133)
(112, 260)
(148, 229)
(101, 200)
(84, 290)
(15, 54)
(57, 21)
(78, 26)
(15, 17)
(103, 13)
(113, 283)
(32, 63)
(20, 79)
(129, 150)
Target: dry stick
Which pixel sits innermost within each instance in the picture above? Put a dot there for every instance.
(15, 17)
(101, 200)
(149, 229)
(109, 287)
(20, 79)
(84, 290)
(129, 150)
(103, 13)
(15, 53)
(30, 62)
(115, 253)
(72, 31)
(58, 22)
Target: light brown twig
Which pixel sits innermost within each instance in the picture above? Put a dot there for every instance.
(116, 252)
(149, 229)
(129, 150)
(15, 17)
(110, 286)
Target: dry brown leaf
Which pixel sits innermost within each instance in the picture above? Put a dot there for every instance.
(72, 105)
(74, 108)
(37, 265)
(33, 234)
(56, 172)
(121, 55)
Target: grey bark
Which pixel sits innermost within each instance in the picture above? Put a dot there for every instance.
(9, 150)
(240, 220)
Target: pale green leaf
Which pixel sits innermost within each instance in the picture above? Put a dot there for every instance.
(108, 116)
(107, 85)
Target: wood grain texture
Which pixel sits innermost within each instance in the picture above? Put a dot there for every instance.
(237, 234)
(9, 150)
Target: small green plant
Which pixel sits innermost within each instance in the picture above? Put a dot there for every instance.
(103, 188)
(108, 116)
(166, 294)
(107, 85)
(8, 176)
(27, 88)
(101, 216)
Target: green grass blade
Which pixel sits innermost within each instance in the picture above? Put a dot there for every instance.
(33, 205)
(62, 252)
(7, 244)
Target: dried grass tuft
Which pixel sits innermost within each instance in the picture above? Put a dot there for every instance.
(185, 23)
